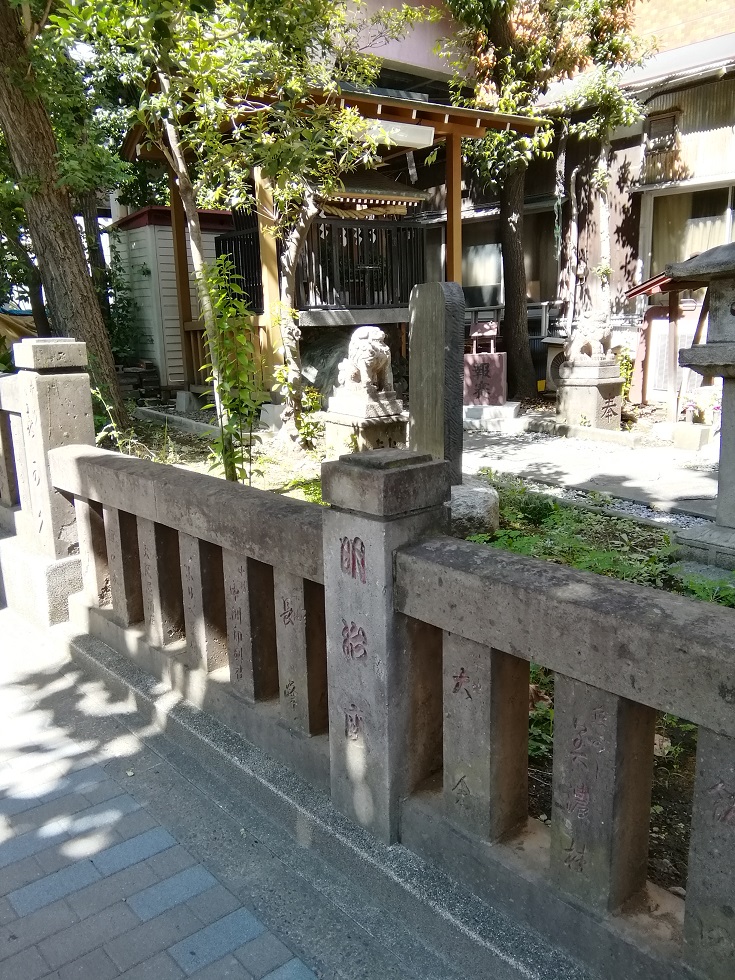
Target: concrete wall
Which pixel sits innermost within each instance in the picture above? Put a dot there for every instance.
(673, 23)
(415, 52)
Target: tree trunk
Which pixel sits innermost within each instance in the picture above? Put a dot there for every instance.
(35, 288)
(95, 254)
(603, 167)
(290, 333)
(177, 159)
(38, 307)
(521, 373)
(560, 169)
(56, 241)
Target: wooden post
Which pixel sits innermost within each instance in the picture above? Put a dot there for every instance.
(454, 208)
(673, 351)
(181, 271)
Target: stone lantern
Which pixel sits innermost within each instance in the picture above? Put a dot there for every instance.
(716, 358)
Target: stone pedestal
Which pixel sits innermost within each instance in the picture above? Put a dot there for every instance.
(716, 358)
(590, 392)
(361, 418)
(348, 434)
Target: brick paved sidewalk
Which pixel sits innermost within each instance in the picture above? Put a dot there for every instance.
(125, 855)
(93, 886)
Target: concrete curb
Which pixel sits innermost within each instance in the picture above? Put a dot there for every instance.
(553, 428)
(176, 422)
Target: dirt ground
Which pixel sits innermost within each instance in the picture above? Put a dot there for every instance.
(274, 467)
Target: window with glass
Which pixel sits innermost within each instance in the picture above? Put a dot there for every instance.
(685, 224)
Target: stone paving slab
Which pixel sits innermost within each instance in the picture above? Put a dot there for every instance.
(662, 477)
(129, 907)
(168, 872)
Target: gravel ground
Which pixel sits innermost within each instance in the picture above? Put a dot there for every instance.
(616, 505)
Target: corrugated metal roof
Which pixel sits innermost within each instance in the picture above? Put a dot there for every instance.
(693, 61)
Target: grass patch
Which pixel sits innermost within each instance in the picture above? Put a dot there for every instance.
(535, 525)
(304, 489)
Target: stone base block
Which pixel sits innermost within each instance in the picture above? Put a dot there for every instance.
(365, 403)
(714, 545)
(475, 510)
(270, 415)
(187, 401)
(345, 434)
(35, 586)
(690, 436)
(591, 402)
(488, 417)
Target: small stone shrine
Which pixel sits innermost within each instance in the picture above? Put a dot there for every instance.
(364, 412)
(590, 387)
(715, 545)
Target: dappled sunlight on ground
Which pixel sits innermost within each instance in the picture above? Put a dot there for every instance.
(661, 477)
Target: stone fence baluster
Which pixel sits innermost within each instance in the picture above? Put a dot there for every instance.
(123, 564)
(485, 737)
(204, 603)
(251, 626)
(603, 774)
(8, 480)
(302, 654)
(709, 918)
(163, 600)
(384, 683)
(92, 548)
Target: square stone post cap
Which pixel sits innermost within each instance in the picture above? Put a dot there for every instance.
(50, 354)
(715, 263)
(386, 482)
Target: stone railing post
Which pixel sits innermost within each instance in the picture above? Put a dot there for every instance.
(383, 670)
(39, 567)
(56, 410)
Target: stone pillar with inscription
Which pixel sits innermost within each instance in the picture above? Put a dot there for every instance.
(709, 918)
(436, 372)
(40, 566)
(384, 670)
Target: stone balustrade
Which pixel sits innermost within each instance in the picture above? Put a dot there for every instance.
(619, 653)
(221, 585)
(388, 665)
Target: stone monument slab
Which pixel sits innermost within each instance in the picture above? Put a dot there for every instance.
(436, 372)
